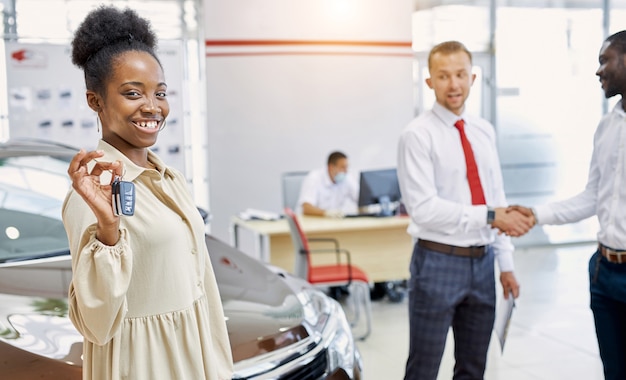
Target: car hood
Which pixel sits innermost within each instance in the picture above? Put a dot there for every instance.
(264, 309)
(40, 326)
(264, 306)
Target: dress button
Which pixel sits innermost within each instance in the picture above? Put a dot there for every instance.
(194, 251)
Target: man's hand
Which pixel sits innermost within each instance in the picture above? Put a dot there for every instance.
(509, 284)
(512, 222)
(524, 210)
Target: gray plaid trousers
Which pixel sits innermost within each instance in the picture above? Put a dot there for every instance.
(450, 291)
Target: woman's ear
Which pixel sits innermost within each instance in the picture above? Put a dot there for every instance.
(93, 100)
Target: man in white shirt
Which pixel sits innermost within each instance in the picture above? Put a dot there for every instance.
(604, 196)
(329, 191)
(451, 185)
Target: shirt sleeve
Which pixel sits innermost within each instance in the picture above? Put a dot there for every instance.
(503, 246)
(576, 208)
(97, 294)
(100, 276)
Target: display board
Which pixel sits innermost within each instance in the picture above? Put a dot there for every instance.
(46, 98)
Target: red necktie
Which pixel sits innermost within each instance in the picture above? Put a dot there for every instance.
(478, 197)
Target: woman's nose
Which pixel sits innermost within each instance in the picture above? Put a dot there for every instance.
(151, 106)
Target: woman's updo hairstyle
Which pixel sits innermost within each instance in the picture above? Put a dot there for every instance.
(103, 35)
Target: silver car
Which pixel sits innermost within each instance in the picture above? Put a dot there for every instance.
(280, 327)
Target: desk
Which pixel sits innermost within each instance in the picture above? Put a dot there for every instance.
(379, 246)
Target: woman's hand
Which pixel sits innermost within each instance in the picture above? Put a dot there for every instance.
(97, 195)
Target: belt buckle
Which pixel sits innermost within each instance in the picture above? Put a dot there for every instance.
(618, 255)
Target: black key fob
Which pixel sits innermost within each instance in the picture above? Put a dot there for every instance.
(123, 194)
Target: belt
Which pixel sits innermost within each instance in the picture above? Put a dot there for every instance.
(616, 256)
(476, 251)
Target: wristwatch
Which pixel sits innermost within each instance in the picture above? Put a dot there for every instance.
(491, 215)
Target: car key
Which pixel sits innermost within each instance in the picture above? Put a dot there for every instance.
(123, 194)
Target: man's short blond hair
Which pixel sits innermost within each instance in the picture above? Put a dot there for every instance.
(446, 48)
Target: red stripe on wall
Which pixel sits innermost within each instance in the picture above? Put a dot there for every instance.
(243, 54)
(307, 43)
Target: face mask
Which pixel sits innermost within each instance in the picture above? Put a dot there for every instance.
(340, 177)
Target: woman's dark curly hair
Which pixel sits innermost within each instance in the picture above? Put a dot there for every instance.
(103, 35)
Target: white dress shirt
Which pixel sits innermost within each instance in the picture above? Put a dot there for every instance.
(433, 182)
(605, 193)
(318, 190)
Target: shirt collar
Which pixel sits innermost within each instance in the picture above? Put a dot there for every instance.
(132, 170)
(445, 115)
(619, 109)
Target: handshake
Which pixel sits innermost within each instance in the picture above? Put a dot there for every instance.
(514, 220)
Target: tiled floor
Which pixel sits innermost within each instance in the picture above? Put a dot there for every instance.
(551, 336)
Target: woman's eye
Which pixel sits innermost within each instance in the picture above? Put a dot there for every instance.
(132, 93)
(161, 94)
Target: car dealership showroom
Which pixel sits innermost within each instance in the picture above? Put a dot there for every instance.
(289, 125)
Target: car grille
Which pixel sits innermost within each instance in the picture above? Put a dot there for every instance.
(314, 370)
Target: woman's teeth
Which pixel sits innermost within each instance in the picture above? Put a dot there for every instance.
(148, 124)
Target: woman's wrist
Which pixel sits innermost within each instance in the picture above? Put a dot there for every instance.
(108, 235)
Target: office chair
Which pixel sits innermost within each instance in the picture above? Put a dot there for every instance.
(338, 274)
(291, 184)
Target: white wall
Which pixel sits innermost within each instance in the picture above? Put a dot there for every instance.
(344, 81)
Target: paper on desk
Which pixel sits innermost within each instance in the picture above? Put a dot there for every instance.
(504, 311)
(255, 214)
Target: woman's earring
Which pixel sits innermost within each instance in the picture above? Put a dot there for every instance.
(98, 122)
(162, 125)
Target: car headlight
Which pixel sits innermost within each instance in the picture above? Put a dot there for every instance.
(341, 346)
(330, 322)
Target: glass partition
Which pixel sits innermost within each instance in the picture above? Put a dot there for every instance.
(548, 105)
(540, 80)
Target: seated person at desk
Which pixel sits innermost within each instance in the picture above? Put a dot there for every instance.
(329, 191)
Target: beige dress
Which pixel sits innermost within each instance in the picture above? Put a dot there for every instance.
(148, 307)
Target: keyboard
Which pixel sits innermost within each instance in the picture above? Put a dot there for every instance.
(363, 215)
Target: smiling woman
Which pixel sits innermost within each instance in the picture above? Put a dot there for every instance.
(136, 282)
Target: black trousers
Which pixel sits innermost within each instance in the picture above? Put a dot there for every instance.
(607, 284)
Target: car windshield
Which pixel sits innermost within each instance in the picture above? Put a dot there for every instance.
(32, 189)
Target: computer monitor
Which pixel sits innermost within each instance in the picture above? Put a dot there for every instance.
(379, 187)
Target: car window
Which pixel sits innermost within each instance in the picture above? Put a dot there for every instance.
(29, 236)
(39, 174)
(32, 190)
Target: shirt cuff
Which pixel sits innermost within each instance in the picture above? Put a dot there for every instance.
(505, 261)
(543, 214)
